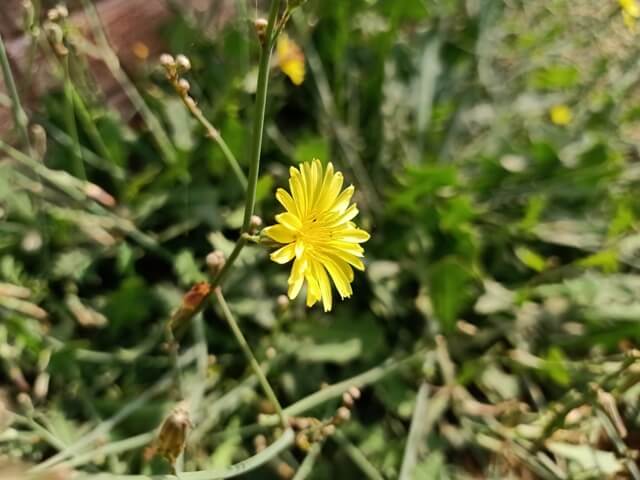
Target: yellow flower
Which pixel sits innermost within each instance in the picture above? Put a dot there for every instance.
(630, 7)
(561, 114)
(316, 229)
(290, 59)
(630, 13)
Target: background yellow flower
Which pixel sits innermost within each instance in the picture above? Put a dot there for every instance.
(290, 59)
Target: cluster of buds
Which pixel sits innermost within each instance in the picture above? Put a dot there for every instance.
(174, 69)
(215, 262)
(172, 436)
(311, 430)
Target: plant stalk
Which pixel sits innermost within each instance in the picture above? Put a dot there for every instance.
(250, 356)
(19, 116)
(258, 119)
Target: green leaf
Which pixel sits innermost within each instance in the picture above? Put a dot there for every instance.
(530, 258)
(451, 287)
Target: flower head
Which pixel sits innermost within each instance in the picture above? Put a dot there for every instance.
(318, 233)
(561, 114)
(630, 13)
(290, 59)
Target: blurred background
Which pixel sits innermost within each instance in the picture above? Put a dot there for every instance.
(494, 149)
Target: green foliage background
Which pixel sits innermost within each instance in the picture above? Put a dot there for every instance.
(504, 247)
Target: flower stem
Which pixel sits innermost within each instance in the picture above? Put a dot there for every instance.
(258, 119)
(213, 133)
(250, 356)
(19, 115)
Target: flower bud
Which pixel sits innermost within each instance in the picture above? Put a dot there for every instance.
(95, 192)
(167, 60)
(183, 63)
(343, 414)
(254, 224)
(260, 25)
(172, 437)
(215, 262)
(183, 86)
(283, 302)
(39, 140)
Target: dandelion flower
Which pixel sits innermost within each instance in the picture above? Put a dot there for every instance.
(560, 115)
(317, 233)
(290, 59)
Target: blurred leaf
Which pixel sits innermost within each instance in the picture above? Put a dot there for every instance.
(530, 258)
(586, 459)
(451, 289)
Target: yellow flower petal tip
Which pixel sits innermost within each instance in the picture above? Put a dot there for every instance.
(290, 59)
(561, 115)
(630, 7)
(317, 232)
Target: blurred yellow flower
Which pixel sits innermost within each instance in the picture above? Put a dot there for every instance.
(317, 231)
(630, 13)
(561, 114)
(290, 59)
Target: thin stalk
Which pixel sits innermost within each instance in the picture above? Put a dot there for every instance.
(309, 461)
(258, 119)
(87, 122)
(113, 64)
(259, 459)
(337, 389)
(70, 120)
(213, 133)
(222, 274)
(19, 116)
(357, 457)
(88, 440)
(250, 356)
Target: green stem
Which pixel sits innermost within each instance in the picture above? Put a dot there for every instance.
(70, 121)
(19, 115)
(357, 457)
(88, 440)
(258, 119)
(87, 122)
(250, 356)
(309, 461)
(337, 389)
(222, 274)
(214, 134)
(259, 459)
(113, 64)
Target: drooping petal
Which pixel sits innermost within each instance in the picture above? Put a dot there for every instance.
(297, 277)
(324, 284)
(280, 233)
(284, 254)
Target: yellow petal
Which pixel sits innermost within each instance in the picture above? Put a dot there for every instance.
(342, 202)
(286, 201)
(280, 234)
(356, 235)
(289, 220)
(350, 259)
(297, 277)
(341, 274)
(297, 190)
(284, 254)
(324, 284)
(313, 289)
